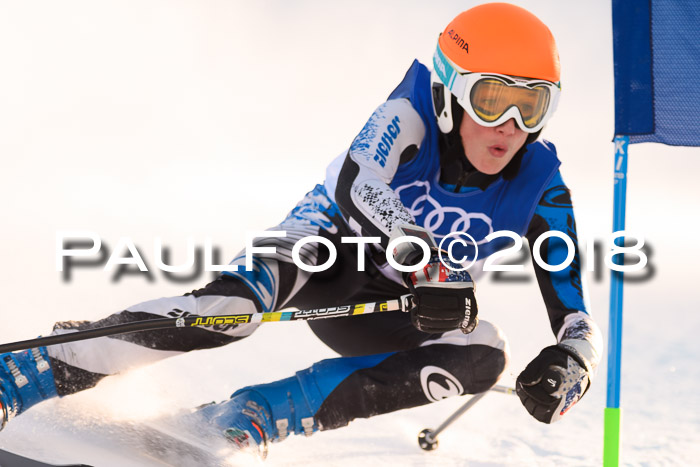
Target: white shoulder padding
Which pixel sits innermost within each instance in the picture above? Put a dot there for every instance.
(394, 126)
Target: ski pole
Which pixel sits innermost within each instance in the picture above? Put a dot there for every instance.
(403, 303)
(427, 439)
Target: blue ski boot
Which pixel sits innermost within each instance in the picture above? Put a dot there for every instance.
(264, 413)
(25, 380)
(258, 415)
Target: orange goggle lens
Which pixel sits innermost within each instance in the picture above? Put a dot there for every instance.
(491, 98)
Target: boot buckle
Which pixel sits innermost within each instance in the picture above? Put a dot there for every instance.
(282, 428)
(20, 379)
(308, 425)
(41, 364)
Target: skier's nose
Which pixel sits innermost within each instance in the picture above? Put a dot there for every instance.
(507, 128)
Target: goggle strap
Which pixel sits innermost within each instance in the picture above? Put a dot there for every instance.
(456, 81)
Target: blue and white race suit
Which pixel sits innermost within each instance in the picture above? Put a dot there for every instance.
(389, 176)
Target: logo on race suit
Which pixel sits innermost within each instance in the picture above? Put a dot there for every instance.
(438, 384)
(390, 134)
(441, 220)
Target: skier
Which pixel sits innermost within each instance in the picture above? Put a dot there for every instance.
(452, 149)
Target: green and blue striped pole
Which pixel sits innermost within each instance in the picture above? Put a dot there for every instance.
(611, 443)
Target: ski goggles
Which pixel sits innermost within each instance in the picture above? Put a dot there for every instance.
(492, 99)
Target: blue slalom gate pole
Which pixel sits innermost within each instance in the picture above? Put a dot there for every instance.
(611, 443)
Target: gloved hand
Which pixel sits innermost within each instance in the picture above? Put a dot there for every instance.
(443, 299)
(553, 382)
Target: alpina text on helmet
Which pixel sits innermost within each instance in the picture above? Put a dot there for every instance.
(461, 43)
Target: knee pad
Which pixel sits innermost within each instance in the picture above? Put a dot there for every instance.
(484, 354)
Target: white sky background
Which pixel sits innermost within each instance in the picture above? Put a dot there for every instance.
(172, 119)
(179, 119)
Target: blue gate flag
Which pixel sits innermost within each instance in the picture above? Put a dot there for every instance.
(656, 48)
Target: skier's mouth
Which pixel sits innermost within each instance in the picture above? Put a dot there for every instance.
(497, 150)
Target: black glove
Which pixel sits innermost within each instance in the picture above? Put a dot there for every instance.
(443, 299)
(553, 382)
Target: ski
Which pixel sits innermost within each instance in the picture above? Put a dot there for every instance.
(176, 440)
(159, 443)
(8, 459)
(176, 447)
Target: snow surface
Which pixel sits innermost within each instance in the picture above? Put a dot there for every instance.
(211, 119)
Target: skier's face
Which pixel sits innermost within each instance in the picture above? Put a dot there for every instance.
(490, 149)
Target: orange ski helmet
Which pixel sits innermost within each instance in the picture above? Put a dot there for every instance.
(494, 38)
